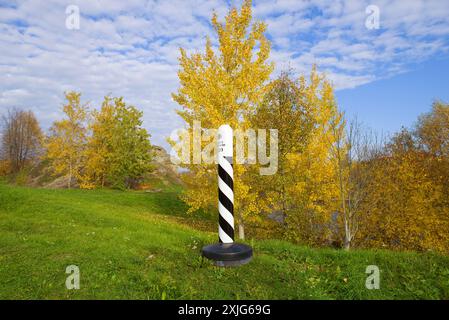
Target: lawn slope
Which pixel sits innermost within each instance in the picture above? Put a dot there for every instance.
(138, 245)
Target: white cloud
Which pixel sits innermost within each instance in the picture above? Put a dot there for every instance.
(130, 48)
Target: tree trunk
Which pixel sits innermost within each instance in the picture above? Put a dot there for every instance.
(241, 231)
(347, 244)
(241, 228)
(69, 183)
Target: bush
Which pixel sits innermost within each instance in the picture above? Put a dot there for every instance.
(5, 168)
(22, 177)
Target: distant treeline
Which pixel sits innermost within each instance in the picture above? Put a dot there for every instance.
(90, 148)
(337, 183)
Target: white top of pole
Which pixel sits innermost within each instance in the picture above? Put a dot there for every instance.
(225, 141)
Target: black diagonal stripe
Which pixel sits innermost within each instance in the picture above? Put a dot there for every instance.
(226, 227)
(225, 202)
(225, 177)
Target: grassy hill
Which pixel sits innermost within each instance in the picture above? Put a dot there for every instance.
(141, 245)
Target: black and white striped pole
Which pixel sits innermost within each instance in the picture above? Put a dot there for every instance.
(225, 185)
(226, 252)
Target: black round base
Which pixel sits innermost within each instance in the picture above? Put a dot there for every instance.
(228, 254)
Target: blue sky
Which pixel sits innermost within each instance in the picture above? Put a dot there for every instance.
(386, 105)
(385, 76)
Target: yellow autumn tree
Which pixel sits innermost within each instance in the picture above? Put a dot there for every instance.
(98, 150)
(303, 194)
(118, 151)
(401, 213)
(223, 85)
(283, 109)
(432, 130)
(314, 192)
(432, 133)
(407, 203)
(67, 140)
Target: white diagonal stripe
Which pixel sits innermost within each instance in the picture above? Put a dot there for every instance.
(226, 190)
(226, 166)
(223, 236)
(226, 214)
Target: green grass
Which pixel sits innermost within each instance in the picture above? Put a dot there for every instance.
(137, 245)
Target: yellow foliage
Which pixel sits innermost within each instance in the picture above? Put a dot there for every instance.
(303, 191)
(407, 205)
(98, 149)
(315, 191)
(399, 199)
(66, 143)
(118, 149)
(5, 168)
(223, 86)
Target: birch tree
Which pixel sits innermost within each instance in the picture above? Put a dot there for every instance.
(67, 140)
